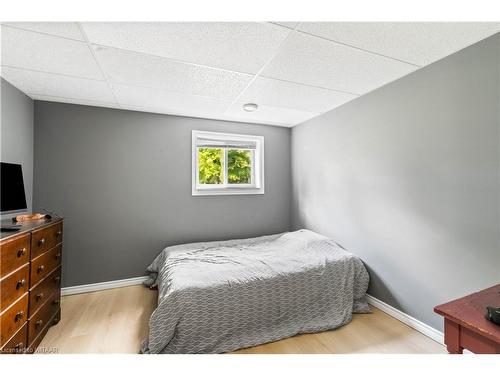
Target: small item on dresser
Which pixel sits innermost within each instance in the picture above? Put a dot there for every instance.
(493, 314)
(30, 217)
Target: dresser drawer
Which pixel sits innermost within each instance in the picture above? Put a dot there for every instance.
(13, 318)
(46, 238)
(38, 322)
(14, 253)
(44, 290)
(18, 343)
(34, 343)
(14, 286)
(45, 264)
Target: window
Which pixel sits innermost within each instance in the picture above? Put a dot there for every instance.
(227, 163)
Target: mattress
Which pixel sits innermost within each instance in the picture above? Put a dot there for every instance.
(215, 297)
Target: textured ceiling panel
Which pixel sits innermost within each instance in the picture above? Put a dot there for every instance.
(293, 96)
(241, 47)
(290, 25)
(418, 43)
(270, 115)
(314, 61)
(168, 102)
(49, 84)
(293, 71)
(31, 50)
(69, 30)
(59, 99)
(146, 70)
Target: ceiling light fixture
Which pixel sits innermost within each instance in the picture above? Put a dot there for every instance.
(250, 107)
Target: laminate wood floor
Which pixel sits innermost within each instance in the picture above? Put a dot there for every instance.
(116, 321)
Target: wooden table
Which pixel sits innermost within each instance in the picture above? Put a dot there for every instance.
(465, 325)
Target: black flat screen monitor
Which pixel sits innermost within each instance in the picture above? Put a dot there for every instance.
(13, 197)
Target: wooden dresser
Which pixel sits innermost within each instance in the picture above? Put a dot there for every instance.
(30, 284)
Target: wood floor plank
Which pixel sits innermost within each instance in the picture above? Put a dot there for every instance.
(117, 321)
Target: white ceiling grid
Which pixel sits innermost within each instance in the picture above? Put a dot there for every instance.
(293, 71)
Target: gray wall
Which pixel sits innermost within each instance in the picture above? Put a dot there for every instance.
(16, 135)
(122, 180)
(407, 177)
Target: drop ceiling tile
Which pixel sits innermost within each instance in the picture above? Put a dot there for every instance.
(162, 101)
(30, 50)
(63, 29)
(242, 47)
(145, 70)
(38, 83)
(314, 61)
(269, 115)
(420, 43)
(290, 25)
(58, 99)
(265, 91)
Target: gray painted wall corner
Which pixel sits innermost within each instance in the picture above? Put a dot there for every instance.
(407, 177)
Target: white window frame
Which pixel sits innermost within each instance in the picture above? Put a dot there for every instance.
(257, 185)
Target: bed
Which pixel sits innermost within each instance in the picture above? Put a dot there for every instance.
(216, 297)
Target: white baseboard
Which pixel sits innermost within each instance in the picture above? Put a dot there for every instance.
(102, 286)
(395, 313)
(407, 319)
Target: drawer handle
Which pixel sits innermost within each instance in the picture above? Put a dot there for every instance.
(57, 279)
(20, 283)
(38, 323)
(40, 268)
(19, 316)
(39, 296)
(55, 302)
(58, 233)
(19, 346)
(41, 242)
(58, 255)
(21, 252)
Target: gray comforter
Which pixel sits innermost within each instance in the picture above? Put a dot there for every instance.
(217, 297)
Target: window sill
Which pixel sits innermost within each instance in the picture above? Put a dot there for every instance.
(228, 191)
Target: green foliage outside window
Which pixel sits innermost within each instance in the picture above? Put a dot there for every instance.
(210, 162)
(211, 168)
(239, 166)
